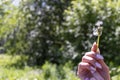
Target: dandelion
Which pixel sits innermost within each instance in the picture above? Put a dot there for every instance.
(99, 23)
(98, 31)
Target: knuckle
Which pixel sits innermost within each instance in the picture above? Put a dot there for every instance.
(83, 58)
(90, 54)
(80, 64)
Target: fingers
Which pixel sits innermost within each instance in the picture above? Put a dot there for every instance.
(94, 55)
(85, 66)
(98, 57)
(97, 76)
(96, 60)
(91, 61)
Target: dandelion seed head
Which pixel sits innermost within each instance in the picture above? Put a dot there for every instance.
(98, 31)
(99, 23)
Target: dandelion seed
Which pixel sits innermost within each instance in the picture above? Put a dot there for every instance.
(95, 32)
(99, 23)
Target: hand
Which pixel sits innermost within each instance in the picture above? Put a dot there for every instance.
(92, 66)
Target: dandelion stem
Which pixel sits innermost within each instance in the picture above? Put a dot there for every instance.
(98, 39)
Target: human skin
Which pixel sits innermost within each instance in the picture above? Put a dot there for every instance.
(92, 66)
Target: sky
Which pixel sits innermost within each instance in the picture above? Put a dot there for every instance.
(16, 2)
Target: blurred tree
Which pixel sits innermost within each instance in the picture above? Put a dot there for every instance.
(39, 31)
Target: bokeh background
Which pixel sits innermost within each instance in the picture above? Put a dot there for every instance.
(45, 39)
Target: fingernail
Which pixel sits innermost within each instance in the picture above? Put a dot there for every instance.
(98, 65)
(92, 72)
(92, 79)
(92, 69)
(94, 43)
(87, 79)
(99, 56)
(94, 47)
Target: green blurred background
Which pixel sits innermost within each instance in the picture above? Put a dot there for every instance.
(45, 39)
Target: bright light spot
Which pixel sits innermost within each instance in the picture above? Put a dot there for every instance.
(43, 4)
(16, 2)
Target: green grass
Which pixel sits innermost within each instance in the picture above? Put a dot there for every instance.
(15, 68)
(11, 68)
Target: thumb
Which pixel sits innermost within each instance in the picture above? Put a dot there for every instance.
(94, 48)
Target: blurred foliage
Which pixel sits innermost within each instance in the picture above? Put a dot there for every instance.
(60, 30)
(48, 71)
(81, 19)
(8, 18)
